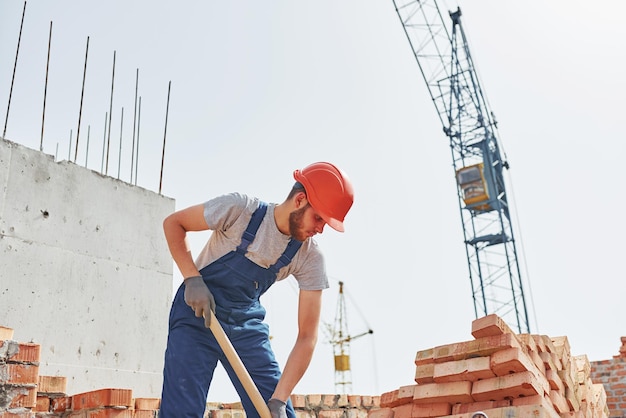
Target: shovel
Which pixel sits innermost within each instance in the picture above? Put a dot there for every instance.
(240, 369)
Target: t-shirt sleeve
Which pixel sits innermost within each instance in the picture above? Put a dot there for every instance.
(221, 212)
(311, 274)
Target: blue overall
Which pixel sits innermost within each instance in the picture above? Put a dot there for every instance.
(192, 351)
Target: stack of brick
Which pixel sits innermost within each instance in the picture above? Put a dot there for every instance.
(501, 374)
(26, 394)
(19, 372)
(612, 374)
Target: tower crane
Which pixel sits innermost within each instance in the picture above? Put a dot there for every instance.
(340, 338)
(447, 67)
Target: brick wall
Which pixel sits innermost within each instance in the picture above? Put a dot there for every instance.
(612, 374)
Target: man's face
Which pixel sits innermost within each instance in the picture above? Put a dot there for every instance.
(304, 223)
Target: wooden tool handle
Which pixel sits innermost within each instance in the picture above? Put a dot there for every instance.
(240, 369)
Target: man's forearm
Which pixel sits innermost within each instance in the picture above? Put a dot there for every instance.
(297, 364)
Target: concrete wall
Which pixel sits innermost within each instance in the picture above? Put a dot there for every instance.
(84, 271)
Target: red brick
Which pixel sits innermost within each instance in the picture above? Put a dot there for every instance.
(329, 401)
(342, 400)
(102, 397)
(368, 401)
(147, 403)
(541, 347)
(572, 400)
(551, 361)
(61, 404)
(330, 413)
(43, 404)
(424, 373)
(563, 349)
(227, 413)
(24, 414)
(573, 414)
(23, 397)
(52, 384)
(471, 369)
(508, 387)
(397, 397)
(145, 414)
(380, 413)
(529, 341)
(523, 411)
(232, 405)
(6, 333)
(299, 414)
(403, 411)
(314, 401)
(354, 401)
(109, 413)
(20, 374)
(451, 392)
(424, 356)
(431, 410)
(512, 360)
(490, 325)
(476, 348)
(463, 408)
(28, 353)
(298, 401)
(558, 401)
(555, 381)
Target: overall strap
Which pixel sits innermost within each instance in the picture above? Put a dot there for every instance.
(287, 256)
(253, 226)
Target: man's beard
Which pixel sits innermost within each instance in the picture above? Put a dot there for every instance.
(295, 224)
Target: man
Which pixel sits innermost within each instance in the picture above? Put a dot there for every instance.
(252, 244)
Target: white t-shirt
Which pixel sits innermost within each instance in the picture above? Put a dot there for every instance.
(228, 216)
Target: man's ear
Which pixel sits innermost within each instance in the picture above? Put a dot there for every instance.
(300, 200)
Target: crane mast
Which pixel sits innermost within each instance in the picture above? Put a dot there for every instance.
(340, 338)
(447, 67)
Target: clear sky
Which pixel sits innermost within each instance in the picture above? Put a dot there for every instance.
(259, 89)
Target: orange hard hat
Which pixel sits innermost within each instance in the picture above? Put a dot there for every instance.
(328, 190)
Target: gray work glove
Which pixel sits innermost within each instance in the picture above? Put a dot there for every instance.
(278, 408)
(199, 298)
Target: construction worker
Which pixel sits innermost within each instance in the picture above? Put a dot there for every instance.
(252, 245)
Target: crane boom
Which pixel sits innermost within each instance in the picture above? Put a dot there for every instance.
(447, 67)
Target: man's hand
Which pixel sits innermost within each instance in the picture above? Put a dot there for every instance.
(199, 298)
(278, 408)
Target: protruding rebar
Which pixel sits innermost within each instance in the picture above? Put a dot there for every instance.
(119, 155)
(87, 150)
(6, 119)
(45, 89)
(165, 134)
(82, 95)
(106, 169)
(132, 156)
(138, 126)
(69, 150)
(104, 142)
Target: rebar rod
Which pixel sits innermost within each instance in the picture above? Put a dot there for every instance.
(132, 156)
(165, 134)
(119, 155)
(45, 89)
(6, 119)
(106, 169)
(82, 95)
(138, 126)
(104, 141)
